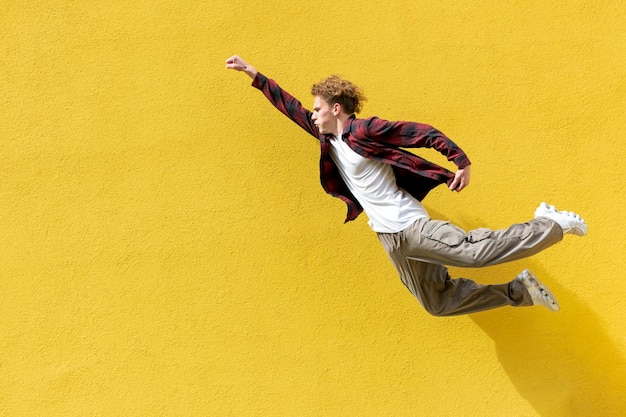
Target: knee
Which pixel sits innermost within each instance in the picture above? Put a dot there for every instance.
(438, 310)
(435, 313)
(430, 300)
(438, 313)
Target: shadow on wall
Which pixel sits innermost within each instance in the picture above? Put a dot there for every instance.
(564, 364)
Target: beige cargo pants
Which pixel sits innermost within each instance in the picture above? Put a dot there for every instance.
(421, 251)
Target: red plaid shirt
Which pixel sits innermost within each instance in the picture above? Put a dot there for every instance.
(376, 139)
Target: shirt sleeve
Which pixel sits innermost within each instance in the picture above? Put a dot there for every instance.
(415, 135)
(286, 103)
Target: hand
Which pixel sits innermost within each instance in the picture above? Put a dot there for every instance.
(238, 64)
(461, 179)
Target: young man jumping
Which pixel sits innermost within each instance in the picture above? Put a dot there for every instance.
(362, 163)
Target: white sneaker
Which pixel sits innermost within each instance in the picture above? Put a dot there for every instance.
(539, 293)
(569, 222)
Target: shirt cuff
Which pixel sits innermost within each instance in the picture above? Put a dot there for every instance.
(259, 81)
(462, 161)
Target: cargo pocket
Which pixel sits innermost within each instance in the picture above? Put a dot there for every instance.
(479, 234)
(444, 232)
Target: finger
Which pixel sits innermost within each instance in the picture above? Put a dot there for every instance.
(233, 65)
(232, 62)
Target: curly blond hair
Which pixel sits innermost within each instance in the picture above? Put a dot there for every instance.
(335, 89)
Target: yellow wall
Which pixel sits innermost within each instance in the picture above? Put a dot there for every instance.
(167, 249)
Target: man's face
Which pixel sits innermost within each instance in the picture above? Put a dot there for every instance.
(323, 116)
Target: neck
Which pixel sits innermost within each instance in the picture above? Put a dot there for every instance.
(341, 120)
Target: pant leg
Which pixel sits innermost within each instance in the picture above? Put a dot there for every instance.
(443, 296)
(440, 242)
(422, 272)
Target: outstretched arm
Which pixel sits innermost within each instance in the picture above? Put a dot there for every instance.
(281, 99)
(238, 64)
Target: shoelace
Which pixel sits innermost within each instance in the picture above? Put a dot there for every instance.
(567, 213)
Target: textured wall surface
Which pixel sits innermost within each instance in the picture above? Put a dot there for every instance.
(167, 249)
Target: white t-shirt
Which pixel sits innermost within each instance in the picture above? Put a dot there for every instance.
(389, 208)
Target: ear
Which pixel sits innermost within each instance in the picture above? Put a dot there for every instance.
(336, 109)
